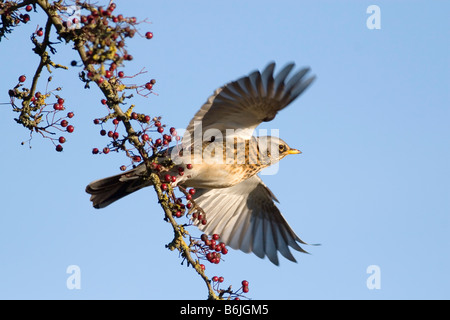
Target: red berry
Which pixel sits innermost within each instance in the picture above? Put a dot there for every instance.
(224, 251)
(245, 283)
(178, 214)
(145, 137)
(204, 222)
(95, 151)
(116, 135)
(116, 121)
(221, 279)
(121, 74)
(158, 142)
(28, 8)
(153, 81)
(64, 123)
(173, 179)
(147, 118)
(168, 177)
(164, 186)
(40, 32)
(123, 168)
(160, 129)
(70, 115)
(204, 237)
(102, 132)
(22, 78)
(189, 166)
(70, 129)
(105, 150)
(59, 148)
(60, 101)
(192, 191)
(137, 159)
(149, 35)
(110, 134)
(103, 101)
(157, 124)
(202, 266)
(108, 74)
(215, 278)
(134, 115)
(26, 18)
(62, 139)
(215, 236)
(96, 121)
(188, 197)
(148, 86)
(245, 289)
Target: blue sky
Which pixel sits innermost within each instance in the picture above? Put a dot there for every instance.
(372, 185)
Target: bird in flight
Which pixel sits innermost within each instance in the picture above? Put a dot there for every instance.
(226, 157)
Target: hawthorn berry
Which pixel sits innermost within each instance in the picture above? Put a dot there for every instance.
(245, 289)
(62, 139)
(145, 137)
(116, 135)
(95, 151)
(215, 236)
(161, 130)
(106, 150)
(149, 35)
(134, 116)
(215, 278)
(103, 101)
(123, 168)
(168, 177)
(245, 283)
(202, 266)
(137, 159)
(70, 129)
(221, 279)
(26, 18)
(148, 86)
(192, 191)
(147, 118)
(59, 148)
(164, 186)
(64, 123)
(28, 8)
(189, 166)
(158, 142)
(70, 115)
(22, 78)
(188, 197)
(40, 32)
(121, 74)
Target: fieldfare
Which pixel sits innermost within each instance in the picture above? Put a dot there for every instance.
(225, 158)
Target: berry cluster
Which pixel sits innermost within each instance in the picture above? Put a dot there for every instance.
(105, 34)
(209, 248)
(231, 294)
(41, 116)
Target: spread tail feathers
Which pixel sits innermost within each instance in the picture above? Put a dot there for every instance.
(105, 191)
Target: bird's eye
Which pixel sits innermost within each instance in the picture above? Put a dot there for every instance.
(282, 148)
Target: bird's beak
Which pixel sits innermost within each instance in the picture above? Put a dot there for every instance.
(294, 151)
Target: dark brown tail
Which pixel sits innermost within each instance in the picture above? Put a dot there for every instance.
(105, 191)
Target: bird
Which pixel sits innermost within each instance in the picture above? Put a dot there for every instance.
(224, 157)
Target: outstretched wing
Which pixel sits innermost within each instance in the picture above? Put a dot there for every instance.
(243, 104)
(246, 218)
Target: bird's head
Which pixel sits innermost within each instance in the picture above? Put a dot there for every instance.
(273, 149)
